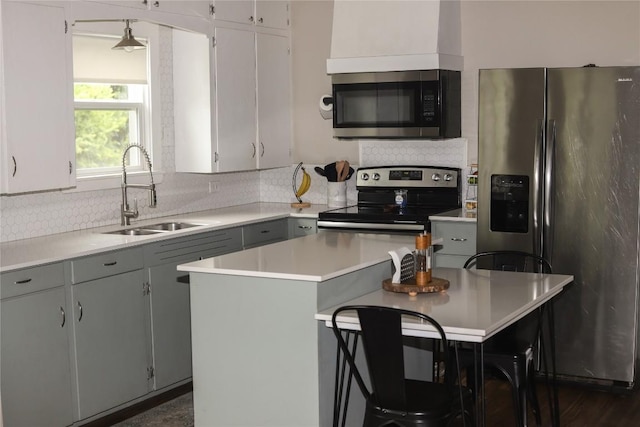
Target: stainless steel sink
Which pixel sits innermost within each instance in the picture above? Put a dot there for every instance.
(134, 232)
(169, 226)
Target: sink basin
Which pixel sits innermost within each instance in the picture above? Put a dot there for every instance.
(169, 226)
(134, 232)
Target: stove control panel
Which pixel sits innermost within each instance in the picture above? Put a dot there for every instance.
(408, 176)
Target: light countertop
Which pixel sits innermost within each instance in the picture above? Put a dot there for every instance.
(315, 258)
(460, 215)
(59, 247)
(477, 305)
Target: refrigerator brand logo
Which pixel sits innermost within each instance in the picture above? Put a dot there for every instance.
(625, 79)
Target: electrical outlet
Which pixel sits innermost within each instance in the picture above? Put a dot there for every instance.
(214, 187)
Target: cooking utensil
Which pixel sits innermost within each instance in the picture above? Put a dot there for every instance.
(345, 171)
(331, 172)
(320, 171)
(339, 170)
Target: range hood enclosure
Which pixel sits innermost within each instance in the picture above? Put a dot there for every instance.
(374, 36)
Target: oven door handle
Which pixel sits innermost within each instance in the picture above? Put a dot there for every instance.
(370, 226)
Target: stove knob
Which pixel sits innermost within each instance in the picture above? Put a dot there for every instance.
(364, 176)
(376, 176)
(448, 177)
(435, 177)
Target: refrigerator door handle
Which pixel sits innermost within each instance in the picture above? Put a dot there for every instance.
(547, 230)
(538, 171)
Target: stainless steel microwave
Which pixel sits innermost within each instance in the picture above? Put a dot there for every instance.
(398, 104)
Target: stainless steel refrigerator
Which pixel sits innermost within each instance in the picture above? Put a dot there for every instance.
(559, 174)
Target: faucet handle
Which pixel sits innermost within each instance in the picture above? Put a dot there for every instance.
(135, 207)
(153, 200)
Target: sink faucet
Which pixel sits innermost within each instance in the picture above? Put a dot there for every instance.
(125, 213)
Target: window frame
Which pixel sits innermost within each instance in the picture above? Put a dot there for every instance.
(149, 120)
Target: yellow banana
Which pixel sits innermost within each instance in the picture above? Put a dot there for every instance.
(305, 184)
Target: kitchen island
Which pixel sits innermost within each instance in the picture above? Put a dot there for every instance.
(255, 342)
(260, 358)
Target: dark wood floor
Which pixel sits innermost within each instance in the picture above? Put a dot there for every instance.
(579, 406)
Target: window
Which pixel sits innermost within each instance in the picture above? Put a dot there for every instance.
(111, 97)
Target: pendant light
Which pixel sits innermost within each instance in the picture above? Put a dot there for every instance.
(128, 42)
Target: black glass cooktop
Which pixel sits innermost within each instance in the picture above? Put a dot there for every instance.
(380, 214)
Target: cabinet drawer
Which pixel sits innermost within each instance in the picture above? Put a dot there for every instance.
(459, 238)
(264, 232)
(31, 280)
(106, 264)
(192, 247)
(302, 226)
(450, 261)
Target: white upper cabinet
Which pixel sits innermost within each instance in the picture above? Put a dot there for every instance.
(235, 82)
(199, 8)
(263, 13)
(274, 103)
(38, 143)
(231, 100)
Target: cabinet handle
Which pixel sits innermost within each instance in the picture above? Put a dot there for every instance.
(251, 19)
(305, 227)
(265, 231)
(15, 166)
(458, 239)
(64, 317)
(260, 20)
(253, 156)
(110, 264)
(261, 149)
(80, 311)
(156, 3)
(21, 282)
(70, 167)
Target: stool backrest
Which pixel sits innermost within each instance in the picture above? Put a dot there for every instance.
(381, 329)
(509, 261)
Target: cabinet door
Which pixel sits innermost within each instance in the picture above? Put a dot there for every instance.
(112, 336)
(235, 88)
(240, 11)
(194, 109)
(36, 375)
(39, 151)
(171, 323)
(274, 101)
(272, 13)
(137, 4)
(198, 8)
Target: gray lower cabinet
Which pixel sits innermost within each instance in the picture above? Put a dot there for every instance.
(263, 233)
(299, 227)
(170, 304)
(459, 242)
(35, 357)
(111, 330)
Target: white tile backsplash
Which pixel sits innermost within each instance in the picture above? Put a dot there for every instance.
(34, 215)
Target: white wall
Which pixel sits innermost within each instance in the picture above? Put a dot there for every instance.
(505, 33)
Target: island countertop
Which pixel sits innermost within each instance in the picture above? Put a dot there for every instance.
(315, 258)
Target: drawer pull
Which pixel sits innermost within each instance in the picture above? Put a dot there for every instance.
(265, 231)
(458, 239)
(80, 311)
(22, 282)
(109, 264)
(64, 317)
(305, 227)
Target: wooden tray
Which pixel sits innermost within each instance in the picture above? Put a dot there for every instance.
(409, 287)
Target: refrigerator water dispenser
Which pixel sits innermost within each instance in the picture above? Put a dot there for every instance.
(510, 203)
